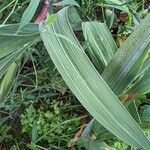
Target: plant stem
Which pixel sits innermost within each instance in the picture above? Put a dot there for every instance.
(42, 14)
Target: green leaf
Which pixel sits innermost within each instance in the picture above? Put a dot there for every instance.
(96, 129)
(13, 29)
(86, 83)
(29, 12)
(115, 4)
(9, 59)
(110, 18)
(88, 129)
(142, 83)
(51, 18)
(7, 81)
(145, 111)
(67, 2)
(118, 5)
(124, 66)
(3, 120)
(32, 146)
(34, 132)
(133, 110)
(97, 145)
(102, 46)
(11, 40)
(142, 86)
(146, 64)
(145, 117)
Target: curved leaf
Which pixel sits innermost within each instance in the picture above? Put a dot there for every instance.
(86, 83)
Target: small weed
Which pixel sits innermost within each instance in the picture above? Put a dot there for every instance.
(45, 125)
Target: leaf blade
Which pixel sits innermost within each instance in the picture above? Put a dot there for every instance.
(10, 40)
(124, 66)
(7, 81)
(29, 12)
(102, 46)
(87, 84)
(67, 2)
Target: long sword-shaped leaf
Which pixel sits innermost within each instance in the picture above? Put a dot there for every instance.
(86, 83)
(142, 86)
(11, 40)
(29, 12)
(101, 43)
(7, 81)
(9, 59)
(124, 66)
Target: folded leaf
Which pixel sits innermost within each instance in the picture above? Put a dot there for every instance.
(102, 46)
